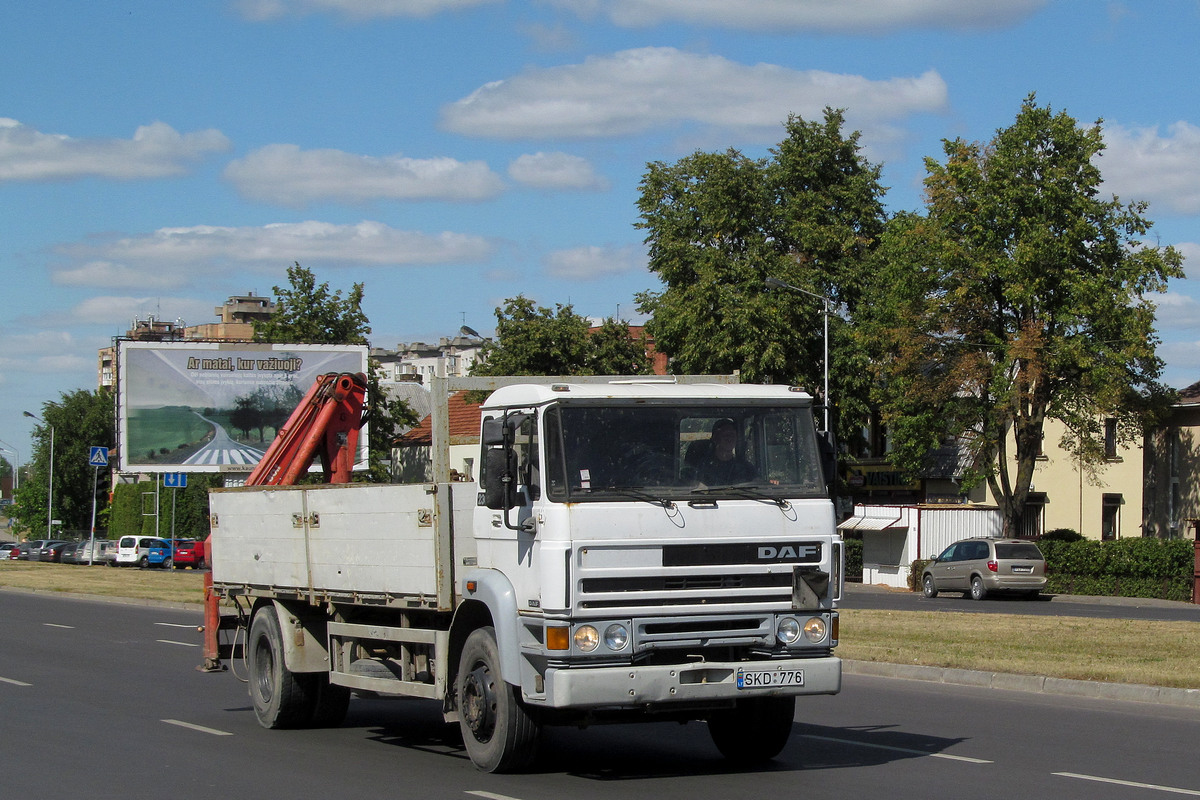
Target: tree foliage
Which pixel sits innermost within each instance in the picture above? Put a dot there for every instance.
(533, 340)
(719, 224)
(309, 313)
(1020, 295)
(81, 420)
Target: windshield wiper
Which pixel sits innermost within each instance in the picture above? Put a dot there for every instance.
(747, 492)
(636, 493)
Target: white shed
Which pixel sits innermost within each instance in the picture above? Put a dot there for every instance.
(894, 536)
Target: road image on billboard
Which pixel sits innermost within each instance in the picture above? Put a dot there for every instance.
(215, 406)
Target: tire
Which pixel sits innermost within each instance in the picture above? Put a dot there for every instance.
(978, 590)
(927, 586)
(143, 562)
(755, 730)
(281, 698)
(499, 732)
(168, 564)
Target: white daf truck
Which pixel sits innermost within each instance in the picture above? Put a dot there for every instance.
(606, 566)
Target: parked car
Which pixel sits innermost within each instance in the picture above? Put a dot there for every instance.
(20, 552)
(159, 555)
(67, 556)
(137, 550)
(5, 547)
(978, 567)
(50, 550)
(189, 553)
(95, 551)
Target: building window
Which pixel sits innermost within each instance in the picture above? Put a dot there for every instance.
(1033, 521)
(1110, 438)
(1110, 518)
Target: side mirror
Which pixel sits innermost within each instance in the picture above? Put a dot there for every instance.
(500, 478)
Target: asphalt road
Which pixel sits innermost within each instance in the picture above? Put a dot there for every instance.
(102, 700)
(887, 599)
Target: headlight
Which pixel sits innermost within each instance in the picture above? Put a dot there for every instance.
(587, 638)
(814, 629)
(788, 630)
(616, 636)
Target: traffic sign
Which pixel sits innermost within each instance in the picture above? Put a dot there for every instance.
(175, 480)
(98, 457)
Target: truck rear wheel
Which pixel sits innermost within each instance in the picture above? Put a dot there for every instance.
(281, 698)
(754, 730)
(500, 733)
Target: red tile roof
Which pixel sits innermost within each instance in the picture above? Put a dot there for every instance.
(464, 422)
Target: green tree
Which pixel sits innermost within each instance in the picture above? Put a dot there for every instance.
(533, 340)
(309, 313)
(1020, 295)
(719, 224)
(80, 419)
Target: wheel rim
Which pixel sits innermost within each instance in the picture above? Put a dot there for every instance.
(479, 703)
(928, 585)
(264, 662)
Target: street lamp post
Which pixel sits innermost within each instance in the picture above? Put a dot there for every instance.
(827, 305)
(16, 465)
(50, 483)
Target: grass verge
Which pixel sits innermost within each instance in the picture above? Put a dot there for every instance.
(1109, 650)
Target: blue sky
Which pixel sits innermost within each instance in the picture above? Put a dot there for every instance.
(156, 158)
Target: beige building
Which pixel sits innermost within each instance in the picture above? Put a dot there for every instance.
(1105, 502)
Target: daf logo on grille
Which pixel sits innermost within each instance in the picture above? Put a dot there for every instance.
(789, 552)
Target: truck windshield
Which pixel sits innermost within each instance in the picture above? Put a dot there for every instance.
(610, 452)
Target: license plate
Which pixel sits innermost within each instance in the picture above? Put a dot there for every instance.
(1022, 570)
(769, 679)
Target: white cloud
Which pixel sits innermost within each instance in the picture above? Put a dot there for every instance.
(1176, 311)
(1140, 164)
(155, 151)
(593, 263)
(556, 171)
(261, 10)
(185, 256)
(122, 310)
(873, 16)
(658, 87)
(285, 174)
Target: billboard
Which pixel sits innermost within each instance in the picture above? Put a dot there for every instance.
(215, 406)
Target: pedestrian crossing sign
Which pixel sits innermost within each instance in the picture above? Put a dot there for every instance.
(98, 457)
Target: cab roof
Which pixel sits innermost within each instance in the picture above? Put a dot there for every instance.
(526, 395)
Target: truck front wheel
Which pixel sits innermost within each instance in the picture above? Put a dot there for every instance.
(499, 732)
(281, 698)
(755, 730)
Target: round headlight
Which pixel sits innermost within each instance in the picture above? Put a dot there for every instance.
(788, 630)
(814, 629)
(587, 638)
(616, 636)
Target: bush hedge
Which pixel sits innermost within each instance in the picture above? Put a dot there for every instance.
(1141, 567)
(1158, 568)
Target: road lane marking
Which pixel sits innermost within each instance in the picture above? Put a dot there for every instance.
(492, 796)
(200, 728)
(56, 625)
(897, 749)
(181, 644)
(15, 683)
(176, 625)
(1133, 784)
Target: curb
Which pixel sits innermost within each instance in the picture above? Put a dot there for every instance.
(1037, 684)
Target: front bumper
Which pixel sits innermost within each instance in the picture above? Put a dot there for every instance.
(622, 687)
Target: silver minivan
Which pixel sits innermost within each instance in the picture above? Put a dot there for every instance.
(136, 550)
(978, 567)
